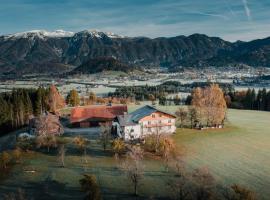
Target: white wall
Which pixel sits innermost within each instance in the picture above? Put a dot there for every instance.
(132, 132)
(155, 129)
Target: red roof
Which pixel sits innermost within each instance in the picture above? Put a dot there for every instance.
(79, 114)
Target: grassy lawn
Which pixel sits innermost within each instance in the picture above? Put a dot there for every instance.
(238, 154)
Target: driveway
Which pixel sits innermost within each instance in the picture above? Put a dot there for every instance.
(90, 133)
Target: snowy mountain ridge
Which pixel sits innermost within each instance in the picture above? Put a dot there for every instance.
(60, 33)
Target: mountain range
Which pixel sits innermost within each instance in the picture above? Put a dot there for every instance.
(61, 51)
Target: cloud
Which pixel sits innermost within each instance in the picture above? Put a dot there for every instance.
(247, 10)
(211, 15)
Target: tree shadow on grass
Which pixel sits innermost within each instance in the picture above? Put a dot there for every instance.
(93, 152)
(45, 190)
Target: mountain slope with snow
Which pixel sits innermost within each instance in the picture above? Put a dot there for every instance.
(61, 51)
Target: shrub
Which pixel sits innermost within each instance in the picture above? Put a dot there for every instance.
(90, 187)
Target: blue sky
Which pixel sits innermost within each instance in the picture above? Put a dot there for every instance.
(229, 19)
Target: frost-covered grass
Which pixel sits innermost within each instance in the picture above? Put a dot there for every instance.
(238, 154)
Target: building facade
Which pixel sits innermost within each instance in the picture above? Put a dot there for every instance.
(144, 121)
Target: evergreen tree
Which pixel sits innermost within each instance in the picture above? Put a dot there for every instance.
(177, 100)
(4, 110)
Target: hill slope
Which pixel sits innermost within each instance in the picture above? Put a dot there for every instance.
(102, 64)
(46, 52)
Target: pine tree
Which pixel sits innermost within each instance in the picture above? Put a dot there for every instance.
(38, 102)
(4, 110)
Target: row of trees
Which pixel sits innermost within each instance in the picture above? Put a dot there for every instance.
(74, 99)
(249, 99)
(19, 105)
(146, 92)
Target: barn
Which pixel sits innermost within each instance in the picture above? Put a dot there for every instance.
(94, 115)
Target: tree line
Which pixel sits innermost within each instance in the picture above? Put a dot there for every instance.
(161, 92)
(249, 99)
(18, 106)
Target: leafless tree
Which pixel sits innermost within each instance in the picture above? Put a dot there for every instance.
(181, 114)
(105, 135)
(19, 195)
(203, 184)
(62, 153)
(133, 167)
(180, 184)
(46, 124)
(82, 143)
(62, 150)
(48, 141)
(238, 192)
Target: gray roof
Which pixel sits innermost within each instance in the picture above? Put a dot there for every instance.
(145, 111)
(125, 120)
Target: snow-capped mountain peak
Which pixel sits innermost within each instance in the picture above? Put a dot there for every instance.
(40, 34)
(43, 34)
(100, 34)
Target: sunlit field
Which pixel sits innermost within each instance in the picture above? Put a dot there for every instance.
(240, 154)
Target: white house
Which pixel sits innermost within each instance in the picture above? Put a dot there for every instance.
(144, 121)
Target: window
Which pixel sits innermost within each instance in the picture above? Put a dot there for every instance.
(149, 129)
(170, 121)
(160, 121)
(153, 115)
(149, 122)
(160, 115)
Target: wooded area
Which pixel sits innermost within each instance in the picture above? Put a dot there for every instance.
(18, 106)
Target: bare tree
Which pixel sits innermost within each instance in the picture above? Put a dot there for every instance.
(81, 143)
(181, 114)
(19, 195)
(48, 141)
(203, 184)
(193, 116)
(62, 150)
(167, 150)
(46, 124)
(61, 154)
(133, 167)
(105, 135)
(237, 192)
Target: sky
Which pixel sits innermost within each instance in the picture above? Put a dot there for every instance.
(229, 19)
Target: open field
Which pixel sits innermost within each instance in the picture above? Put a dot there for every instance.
(238, 154)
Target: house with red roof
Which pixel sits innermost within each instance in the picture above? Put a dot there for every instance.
(94, 115)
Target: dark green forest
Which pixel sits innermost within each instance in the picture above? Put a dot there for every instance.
(17, 106)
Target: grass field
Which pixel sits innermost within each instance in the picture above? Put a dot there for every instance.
(238, 154)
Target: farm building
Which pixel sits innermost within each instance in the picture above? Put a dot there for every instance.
(144, 121)
(92, 116)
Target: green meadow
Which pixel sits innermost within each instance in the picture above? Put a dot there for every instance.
(240, 154)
